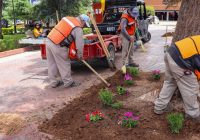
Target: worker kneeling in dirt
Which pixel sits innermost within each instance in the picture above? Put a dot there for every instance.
(65, 42)
(182, 71)
(127, 33)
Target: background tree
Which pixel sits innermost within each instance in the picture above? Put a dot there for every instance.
(47, 8)
(1, 9)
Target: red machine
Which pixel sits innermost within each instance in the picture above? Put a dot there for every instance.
(93, 49)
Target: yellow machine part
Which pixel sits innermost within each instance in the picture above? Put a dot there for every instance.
(103, 4)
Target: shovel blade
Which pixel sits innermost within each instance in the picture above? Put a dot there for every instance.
(124, 69)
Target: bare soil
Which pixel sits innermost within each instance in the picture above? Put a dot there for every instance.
(69, 123)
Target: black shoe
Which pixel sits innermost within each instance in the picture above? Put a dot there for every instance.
(56, 84)
(73, 84)
(133, 65)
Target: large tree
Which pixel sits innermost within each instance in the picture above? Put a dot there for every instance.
(47, 8)
(189, 19)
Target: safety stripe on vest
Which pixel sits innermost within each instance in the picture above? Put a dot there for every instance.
(69, 22)
(194, 44)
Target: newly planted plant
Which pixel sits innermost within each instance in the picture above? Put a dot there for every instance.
(176, 121)
(106, 97)
(128, 79)
(121, 90)
(117, 105)
(129, 120)
(94, 116)
(156, 75)
(133, 71)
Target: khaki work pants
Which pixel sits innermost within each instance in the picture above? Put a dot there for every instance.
(187, 84)
(125, 48)
(58, 63)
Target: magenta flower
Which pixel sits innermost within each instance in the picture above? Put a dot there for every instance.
(128, 77)
(156, 72)
(128, 114)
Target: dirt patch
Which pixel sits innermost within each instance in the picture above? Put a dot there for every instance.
(11, 123)
(69, 123)
(168, 34)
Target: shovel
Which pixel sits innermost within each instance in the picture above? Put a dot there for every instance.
(110, 61)
(126, 62)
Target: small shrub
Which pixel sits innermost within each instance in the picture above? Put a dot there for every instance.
(121, 90)
(7, 31)
(94, 116)
(133, 71)
(129, 120)
(117, 105)
(106, 97)
(128, 82)
(128, 79)
(156, 75)
(176, 121)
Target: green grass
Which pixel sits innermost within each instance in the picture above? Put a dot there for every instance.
(106, 97)
(133, 71)
(121, 90)
(176, 122)
(10, 42)
(117, 105)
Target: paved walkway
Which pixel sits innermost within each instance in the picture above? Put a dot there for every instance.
(24, 89)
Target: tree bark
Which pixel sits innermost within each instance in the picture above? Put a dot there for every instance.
(189, 20)
(1, 8)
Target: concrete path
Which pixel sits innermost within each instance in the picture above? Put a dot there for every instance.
(24, 84)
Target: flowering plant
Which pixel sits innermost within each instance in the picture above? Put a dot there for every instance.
(129, 120)
(156, 74)
(121, 90)
(94, 116)
(128, 79)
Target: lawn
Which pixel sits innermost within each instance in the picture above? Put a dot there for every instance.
(10, 42)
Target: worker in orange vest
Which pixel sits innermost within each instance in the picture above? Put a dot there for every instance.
(127, 31)
(65, 42)
(182, 62)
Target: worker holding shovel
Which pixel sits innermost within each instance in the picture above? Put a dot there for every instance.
(182, 62)
(127, 33)
(65, 42)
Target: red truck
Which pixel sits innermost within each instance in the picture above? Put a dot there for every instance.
(108, 22)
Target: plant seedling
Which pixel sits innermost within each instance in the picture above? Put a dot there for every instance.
(176, 121)
(156, 74)
(134, 71)
(106, 97)
(117, 105)
(128, 82)
(94, 116)
(121, 90)
(129, 120)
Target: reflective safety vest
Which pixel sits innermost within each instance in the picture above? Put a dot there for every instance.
(131, 24)
(62, 30)
(189, 47)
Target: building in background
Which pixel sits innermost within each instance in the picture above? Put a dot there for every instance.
(163, 11)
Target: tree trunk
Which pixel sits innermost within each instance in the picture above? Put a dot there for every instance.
(1, 7)
(189, 20)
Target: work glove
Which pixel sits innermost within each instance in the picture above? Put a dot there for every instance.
(79, 55)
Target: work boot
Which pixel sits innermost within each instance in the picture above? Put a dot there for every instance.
(160, 112)
(197, 119)
(133, 65)
(56, 84)
(72, 84)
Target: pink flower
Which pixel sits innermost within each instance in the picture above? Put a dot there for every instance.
(128, 114)
(156, 72)
(128, 77)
